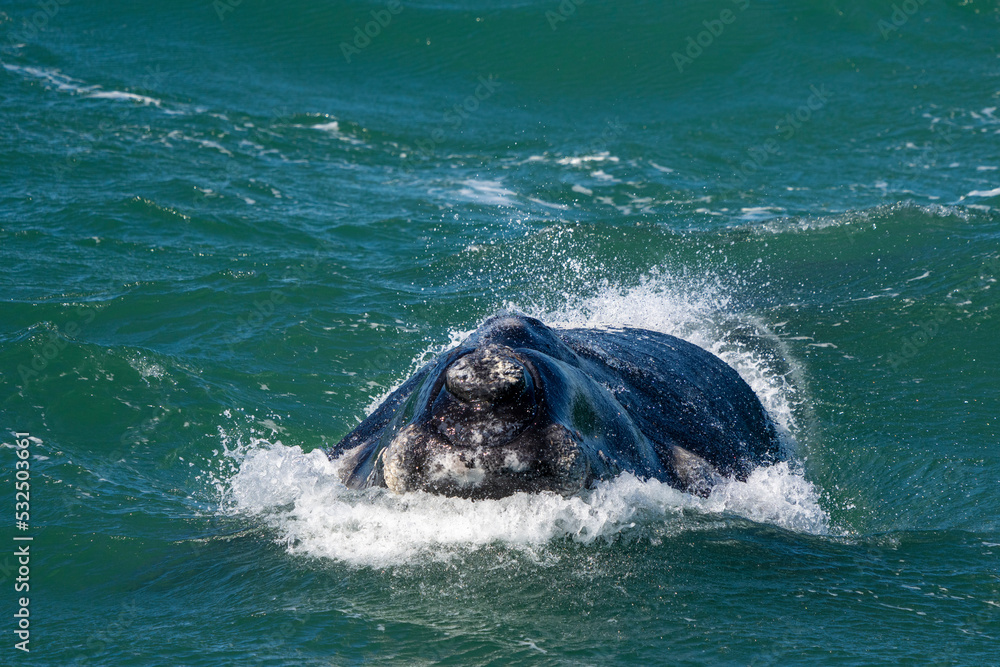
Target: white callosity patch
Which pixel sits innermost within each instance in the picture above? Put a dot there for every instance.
(394, 464)
(496, 368)
(484, 374)
(513, 463)
(466, 469)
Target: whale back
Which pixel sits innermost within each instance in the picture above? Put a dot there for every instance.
(682, 395)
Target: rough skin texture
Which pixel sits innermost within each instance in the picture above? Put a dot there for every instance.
(519, 406)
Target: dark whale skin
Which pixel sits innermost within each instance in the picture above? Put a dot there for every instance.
(591, 404)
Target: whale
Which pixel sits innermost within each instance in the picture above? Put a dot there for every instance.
(520, 406)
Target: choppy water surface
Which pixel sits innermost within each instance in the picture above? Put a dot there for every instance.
(229, 229)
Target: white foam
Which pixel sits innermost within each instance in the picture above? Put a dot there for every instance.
(332, 126)
(67, 84)
(660, 167)
(546, 204)
(300, 497)
(757, 213)
(207, 143)
(984, 193)
(601, 175)
(579, 160)
(54, 77)
(487, 192)
(123, 96)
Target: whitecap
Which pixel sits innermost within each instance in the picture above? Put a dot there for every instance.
(487, 192)
(119, 95)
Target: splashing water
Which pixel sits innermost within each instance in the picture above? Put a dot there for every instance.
(300, 496)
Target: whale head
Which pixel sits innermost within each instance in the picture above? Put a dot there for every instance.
(484, 431)
(512, 409)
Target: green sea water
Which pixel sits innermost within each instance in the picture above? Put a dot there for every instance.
(228, 229)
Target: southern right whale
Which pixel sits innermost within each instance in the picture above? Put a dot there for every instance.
(519, 406)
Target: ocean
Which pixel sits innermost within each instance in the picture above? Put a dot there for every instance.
(229, 228)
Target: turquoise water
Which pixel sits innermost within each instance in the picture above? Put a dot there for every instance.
(228, 229)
